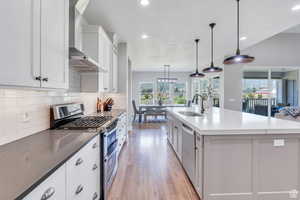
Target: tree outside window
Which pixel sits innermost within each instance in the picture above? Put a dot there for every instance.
(179, 93)
(171, 93)
(146, 93)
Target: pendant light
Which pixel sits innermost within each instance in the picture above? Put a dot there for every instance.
(238, 58)
(212, 68)
(197, 74)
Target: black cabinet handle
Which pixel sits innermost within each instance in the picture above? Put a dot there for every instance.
(95, 196)
(45, 79)
(48, 193)
(38, 78)
(79, 161)
(95, 167)
(79, 189)
(95, 146)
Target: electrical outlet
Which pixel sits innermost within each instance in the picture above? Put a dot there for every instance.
(25, 117)
(293, 194)
(278, 143)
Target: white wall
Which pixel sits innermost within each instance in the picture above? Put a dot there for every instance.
(26, 112)
(280, 50)
(232, 87)
(146, 76)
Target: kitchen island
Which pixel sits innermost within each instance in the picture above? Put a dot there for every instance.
(230, 155)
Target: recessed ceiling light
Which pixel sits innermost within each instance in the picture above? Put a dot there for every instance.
(144, 36)
(243, 38)
(144, 2)
(296, 7)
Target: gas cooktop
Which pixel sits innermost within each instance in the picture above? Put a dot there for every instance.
(87, 122)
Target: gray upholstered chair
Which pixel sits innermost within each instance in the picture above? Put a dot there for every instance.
(137, 112)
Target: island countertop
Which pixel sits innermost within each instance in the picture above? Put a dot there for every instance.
(218, 121)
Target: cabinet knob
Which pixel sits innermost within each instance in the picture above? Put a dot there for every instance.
(48, 193)
(95, 196)
(95, 167)
(79, 161)
(45, 79)
(38, 78)
(79, 189)
(95, 146)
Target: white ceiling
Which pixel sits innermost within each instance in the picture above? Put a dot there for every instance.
(174, 24)
(295, 29)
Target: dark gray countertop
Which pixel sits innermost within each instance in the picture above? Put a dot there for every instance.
(25, 162)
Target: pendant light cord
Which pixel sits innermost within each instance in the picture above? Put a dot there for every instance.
(197, 64)
(238, 27)
(212, 44)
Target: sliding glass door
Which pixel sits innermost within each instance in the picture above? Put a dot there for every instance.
(267, 90)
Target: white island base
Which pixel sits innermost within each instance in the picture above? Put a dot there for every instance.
(238, 156)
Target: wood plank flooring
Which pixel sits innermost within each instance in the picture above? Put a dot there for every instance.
(149, 169)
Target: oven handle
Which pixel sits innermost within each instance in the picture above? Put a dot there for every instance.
(110, 132)
(112, 153)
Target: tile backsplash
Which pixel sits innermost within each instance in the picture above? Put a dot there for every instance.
(25, 112)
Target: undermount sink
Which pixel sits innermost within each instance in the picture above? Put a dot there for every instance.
(190, 113)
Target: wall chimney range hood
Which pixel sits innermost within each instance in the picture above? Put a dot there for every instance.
(78, 59)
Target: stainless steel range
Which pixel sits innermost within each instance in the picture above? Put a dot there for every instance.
(71, 116)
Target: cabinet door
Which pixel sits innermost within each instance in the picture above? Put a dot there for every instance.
(53, 188)
(228, 168)
(83, 172)
(175, 137)
(54, 43)
(115, 72)
(276, 168)
(20, 41)
(199, 162)
(169, 128)
(103, 82)
(179, 142)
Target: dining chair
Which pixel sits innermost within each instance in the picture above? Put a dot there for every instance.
(137, 112)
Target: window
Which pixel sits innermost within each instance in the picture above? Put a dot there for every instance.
(267, 90)
(179, 93)
(146, 93)
(163, 92)
(202, 85)
(171, 93)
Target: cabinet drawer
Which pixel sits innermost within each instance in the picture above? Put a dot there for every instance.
(53, 188)
(83, 172)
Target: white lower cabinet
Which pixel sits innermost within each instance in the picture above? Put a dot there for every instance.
(53, 188)
(199, 164)
(121, 132)
(174, 134)
(82, 178)
(77, 179)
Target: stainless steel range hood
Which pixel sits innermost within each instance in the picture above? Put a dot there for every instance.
(78, 59)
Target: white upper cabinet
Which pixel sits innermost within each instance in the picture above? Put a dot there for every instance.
(115, 70)
(35, 43)
(54, 43)
(20, 59)
(99, 47)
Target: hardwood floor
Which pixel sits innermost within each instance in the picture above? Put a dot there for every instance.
(149, 169)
